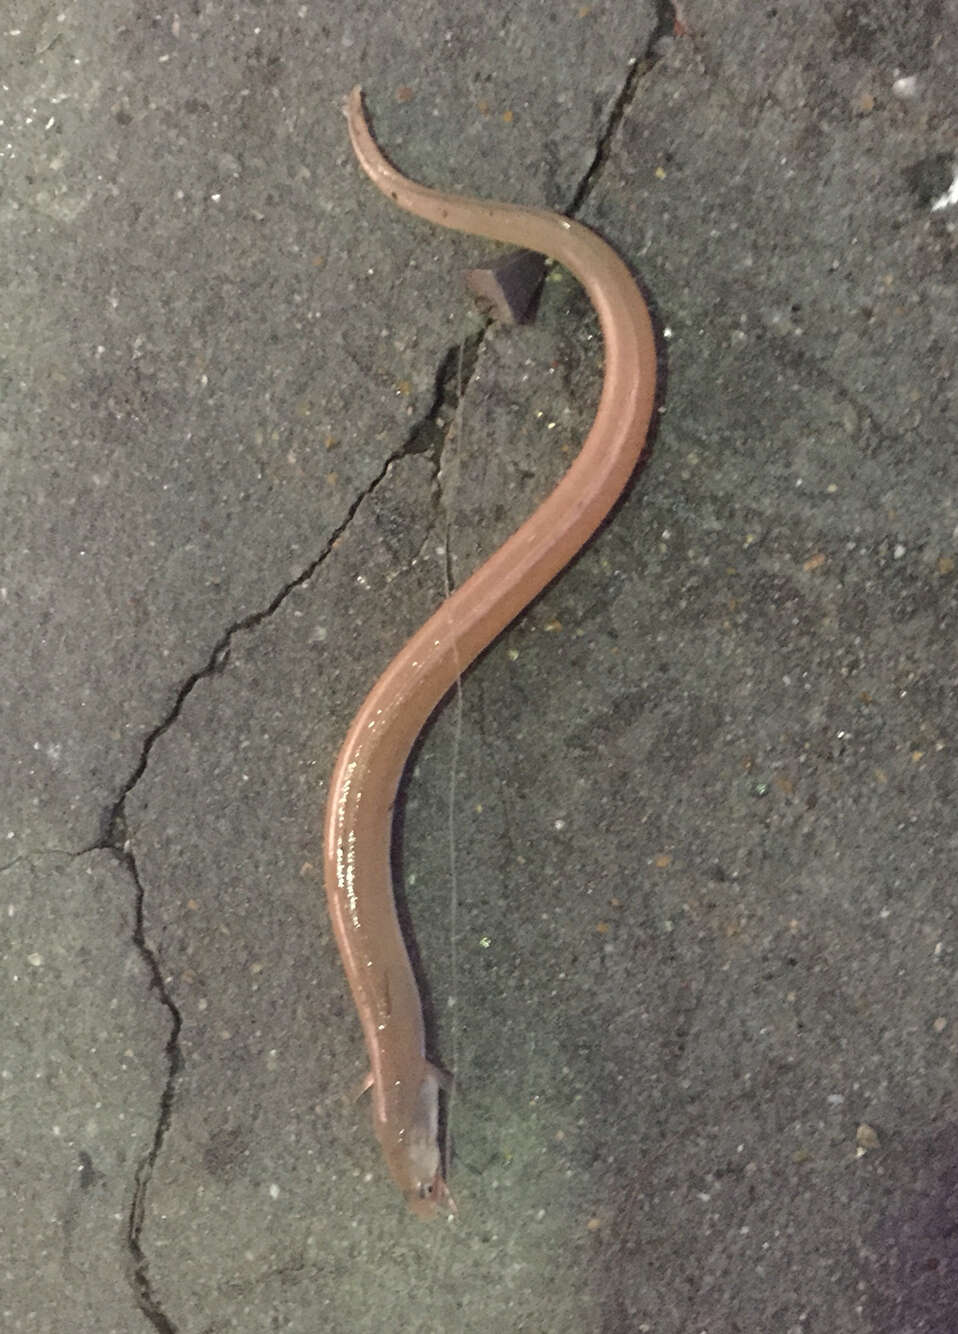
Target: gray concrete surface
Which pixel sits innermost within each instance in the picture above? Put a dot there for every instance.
(705, 795)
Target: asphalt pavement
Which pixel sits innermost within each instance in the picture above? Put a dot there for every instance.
(694, 961)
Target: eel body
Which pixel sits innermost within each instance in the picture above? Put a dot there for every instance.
(405, 1085)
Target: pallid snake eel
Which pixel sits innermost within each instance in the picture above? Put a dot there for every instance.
(405, 1085)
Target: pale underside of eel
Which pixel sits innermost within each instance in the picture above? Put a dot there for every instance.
(358, 830)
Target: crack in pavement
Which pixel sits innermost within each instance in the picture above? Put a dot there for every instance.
(33, 854)
(426, 437)
(639, 66)
(139, 1266)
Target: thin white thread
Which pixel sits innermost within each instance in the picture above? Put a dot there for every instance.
(453, 477)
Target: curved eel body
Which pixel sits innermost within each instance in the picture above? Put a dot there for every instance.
(405, 1085)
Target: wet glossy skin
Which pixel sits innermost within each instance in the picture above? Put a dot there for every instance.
(405, 1087)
